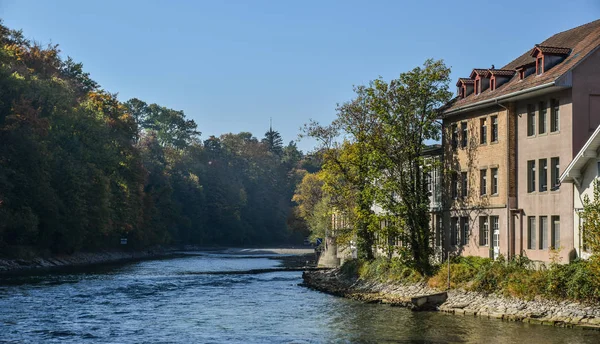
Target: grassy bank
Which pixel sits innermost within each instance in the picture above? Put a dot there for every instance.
(577, 281)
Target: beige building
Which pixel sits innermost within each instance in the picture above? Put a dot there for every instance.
(508, 136)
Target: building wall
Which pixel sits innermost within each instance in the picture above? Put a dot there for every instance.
(586, 100)
(551, 202)
(472, 159)
(586, 188)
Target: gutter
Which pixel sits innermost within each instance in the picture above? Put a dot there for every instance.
(491, 101)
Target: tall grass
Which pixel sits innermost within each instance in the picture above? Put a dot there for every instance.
(518, 277)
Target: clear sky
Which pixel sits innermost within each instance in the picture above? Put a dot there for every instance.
(233, 64)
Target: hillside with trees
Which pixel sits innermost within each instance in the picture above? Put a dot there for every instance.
(81, 169)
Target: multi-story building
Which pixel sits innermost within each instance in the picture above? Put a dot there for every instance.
(506, 136)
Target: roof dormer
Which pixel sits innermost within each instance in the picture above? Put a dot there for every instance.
(482, 82)
(499, 77)
(525, 70)
(464, 87)
(547, 57)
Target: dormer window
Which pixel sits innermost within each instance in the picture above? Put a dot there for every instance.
(547, 57)
(464, 87)
(481, 79)
(521, 74)
(539, 63)
(492, 83)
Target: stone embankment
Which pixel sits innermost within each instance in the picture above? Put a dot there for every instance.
(538, 311)
(21, 266)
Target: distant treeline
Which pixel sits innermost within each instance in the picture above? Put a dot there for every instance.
(79, 170)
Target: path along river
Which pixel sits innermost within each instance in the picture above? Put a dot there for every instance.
(174, 301)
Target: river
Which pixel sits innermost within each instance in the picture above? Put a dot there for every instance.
(175, 301)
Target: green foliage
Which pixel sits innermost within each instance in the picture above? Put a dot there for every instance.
(372, 153)
(79, 169)
(381, 269)
(518, 277)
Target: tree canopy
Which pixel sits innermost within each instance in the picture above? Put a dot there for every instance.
(80, 169)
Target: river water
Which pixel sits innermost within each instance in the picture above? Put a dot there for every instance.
(174, 301)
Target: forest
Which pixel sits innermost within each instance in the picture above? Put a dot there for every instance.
(81, 169)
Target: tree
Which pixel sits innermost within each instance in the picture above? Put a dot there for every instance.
(350, 164)
(273, 141)
(591, 217)
(407, 111)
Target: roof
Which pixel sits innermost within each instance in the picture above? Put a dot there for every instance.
(479, 71)
(581, 41)
(465, 81)
(501, 72)
(432, 150)
(550, 50)
(588, 152)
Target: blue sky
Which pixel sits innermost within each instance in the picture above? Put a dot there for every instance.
(233, 64)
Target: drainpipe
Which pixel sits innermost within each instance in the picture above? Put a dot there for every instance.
(509, 219)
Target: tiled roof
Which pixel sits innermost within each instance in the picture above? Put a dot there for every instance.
(501, 72)
(528, 64)
(479, 71)
(464, 80)
(551, 50)
(581, 40)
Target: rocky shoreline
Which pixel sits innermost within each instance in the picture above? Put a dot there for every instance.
(460, 302)
(291, 257)
(81, 259)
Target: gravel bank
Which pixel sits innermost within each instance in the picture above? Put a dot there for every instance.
(538, 311)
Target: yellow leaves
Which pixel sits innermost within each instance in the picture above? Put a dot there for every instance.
(17, 76)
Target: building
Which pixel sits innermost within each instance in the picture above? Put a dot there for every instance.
(583, 172)
(505, 137)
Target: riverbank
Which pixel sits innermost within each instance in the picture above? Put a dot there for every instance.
(80, 259)
(292, 257)
(459, 302)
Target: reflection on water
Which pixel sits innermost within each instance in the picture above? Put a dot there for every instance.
(167, 301)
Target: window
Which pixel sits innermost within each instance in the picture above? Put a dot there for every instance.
(483, 182)
(521, 74)
(494, 181)
(454, 136)
(531, 232)
(465, 230)
(543, 232)
(543, 175)
(477, 86)
(531, 176)
(483, 131)
(464, 184)
(555, 232)
(454, 185)
(554, 116)
(463, 132)
(540, 65)
(495, 230)
(542, 119)
(530, 120)
(428, 184)
(454, 231)
(492, 84)
(555, 175)
(484, 231)
(494, 129)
